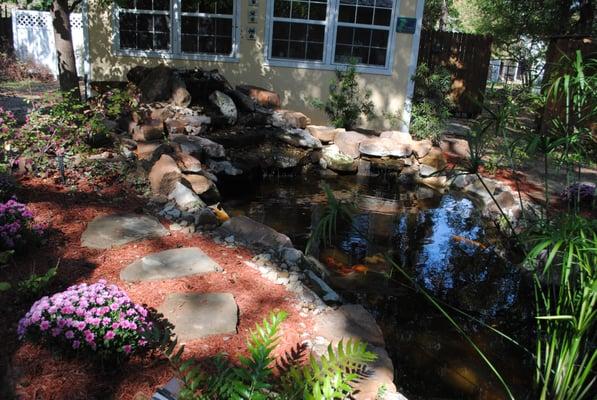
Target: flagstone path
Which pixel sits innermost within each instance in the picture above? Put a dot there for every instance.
(194, 315)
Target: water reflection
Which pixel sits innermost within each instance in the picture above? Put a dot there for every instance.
(440, 241)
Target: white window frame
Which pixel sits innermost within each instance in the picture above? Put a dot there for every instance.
(175, 52)
(329, 48)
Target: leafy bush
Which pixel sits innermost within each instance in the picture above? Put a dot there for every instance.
(36, 284)
(431, 103)
(346, 103)
(17, 227)
(98, 318)
(325, 379)
(115, 103)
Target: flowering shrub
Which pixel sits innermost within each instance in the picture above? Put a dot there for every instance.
(99, 318)
(582, 193)
(17, 227)
(7, 121)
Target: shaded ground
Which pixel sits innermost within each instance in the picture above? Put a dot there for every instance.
(38, 373)
(19, 97)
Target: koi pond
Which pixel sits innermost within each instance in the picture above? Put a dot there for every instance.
(438, 242)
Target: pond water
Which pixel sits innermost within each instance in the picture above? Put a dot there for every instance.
(441, 242)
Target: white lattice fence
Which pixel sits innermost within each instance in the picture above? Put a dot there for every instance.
(33, 39)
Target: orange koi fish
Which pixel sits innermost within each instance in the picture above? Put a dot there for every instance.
(461, 239)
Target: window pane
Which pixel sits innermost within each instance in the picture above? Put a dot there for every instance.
(364, 15)
(316, 33)
(162, 41)
(360, 54)
(382, 17)
(344, 35)
(377, 56)
(144, 5)
(300, 10)
(362, 37)
(343, 54)
(128, 40)
(281, 30)
(282, 9)
(298, 31)
(188, 43)
(318, 11)
(223, 45)
(128, 22)
(280, 49)
(379, 38)
(206, 6)
(297, 50)
(189, 24)
(160, 23)
(347, 14)
(314, 51)
(225, 7)
(163, 5)
(223, 27)
(207, 44)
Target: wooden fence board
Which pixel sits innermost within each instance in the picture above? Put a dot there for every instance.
(467, 57)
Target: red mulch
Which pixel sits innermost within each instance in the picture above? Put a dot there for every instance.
(40, 374)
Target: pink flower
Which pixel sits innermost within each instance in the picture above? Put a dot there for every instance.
(44, 325)
(127, 348)
(69, 334)
(109, 335)
(76, 344)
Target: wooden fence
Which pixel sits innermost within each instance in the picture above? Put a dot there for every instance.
(467, 57)
(5, 29)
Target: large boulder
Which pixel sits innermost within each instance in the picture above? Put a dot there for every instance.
(263, 97)
(435, 158)
(348, 142)
(185, 198)
(397, 136)
(152, 151)
(298, 138)
(226, 106)
(325, 134)
(290, 119)
(223, 167)
(384, 147)
(187, 124)
(422, 147)
(187, 163)
(164, 175)
(254, 233)
(148, 131)
(160, 84)
(333, 159)
(199, 183)
(198, 147)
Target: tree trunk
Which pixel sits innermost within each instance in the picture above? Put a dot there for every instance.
(67, 65)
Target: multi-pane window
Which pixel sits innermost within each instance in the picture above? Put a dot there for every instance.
(332, 32)
(363, 31)
(145, 25)
(298, 30)
(204, 28)
(207, 26)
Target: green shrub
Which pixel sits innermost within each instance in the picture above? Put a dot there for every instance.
(346, 102)
(325, 379)
(431, 104)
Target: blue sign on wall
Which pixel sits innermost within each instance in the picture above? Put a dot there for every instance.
(406, 25)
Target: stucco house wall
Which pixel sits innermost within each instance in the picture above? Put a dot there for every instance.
(294, 83)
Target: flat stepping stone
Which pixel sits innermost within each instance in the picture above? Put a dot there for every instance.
(170, 264)
(118, 229)
(198, 315)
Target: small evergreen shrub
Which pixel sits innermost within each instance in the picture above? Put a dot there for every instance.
(431, 104)
(98, 318)
(17, 227)
(346, 102)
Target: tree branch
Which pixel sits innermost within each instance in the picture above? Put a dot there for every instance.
(74, 5)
